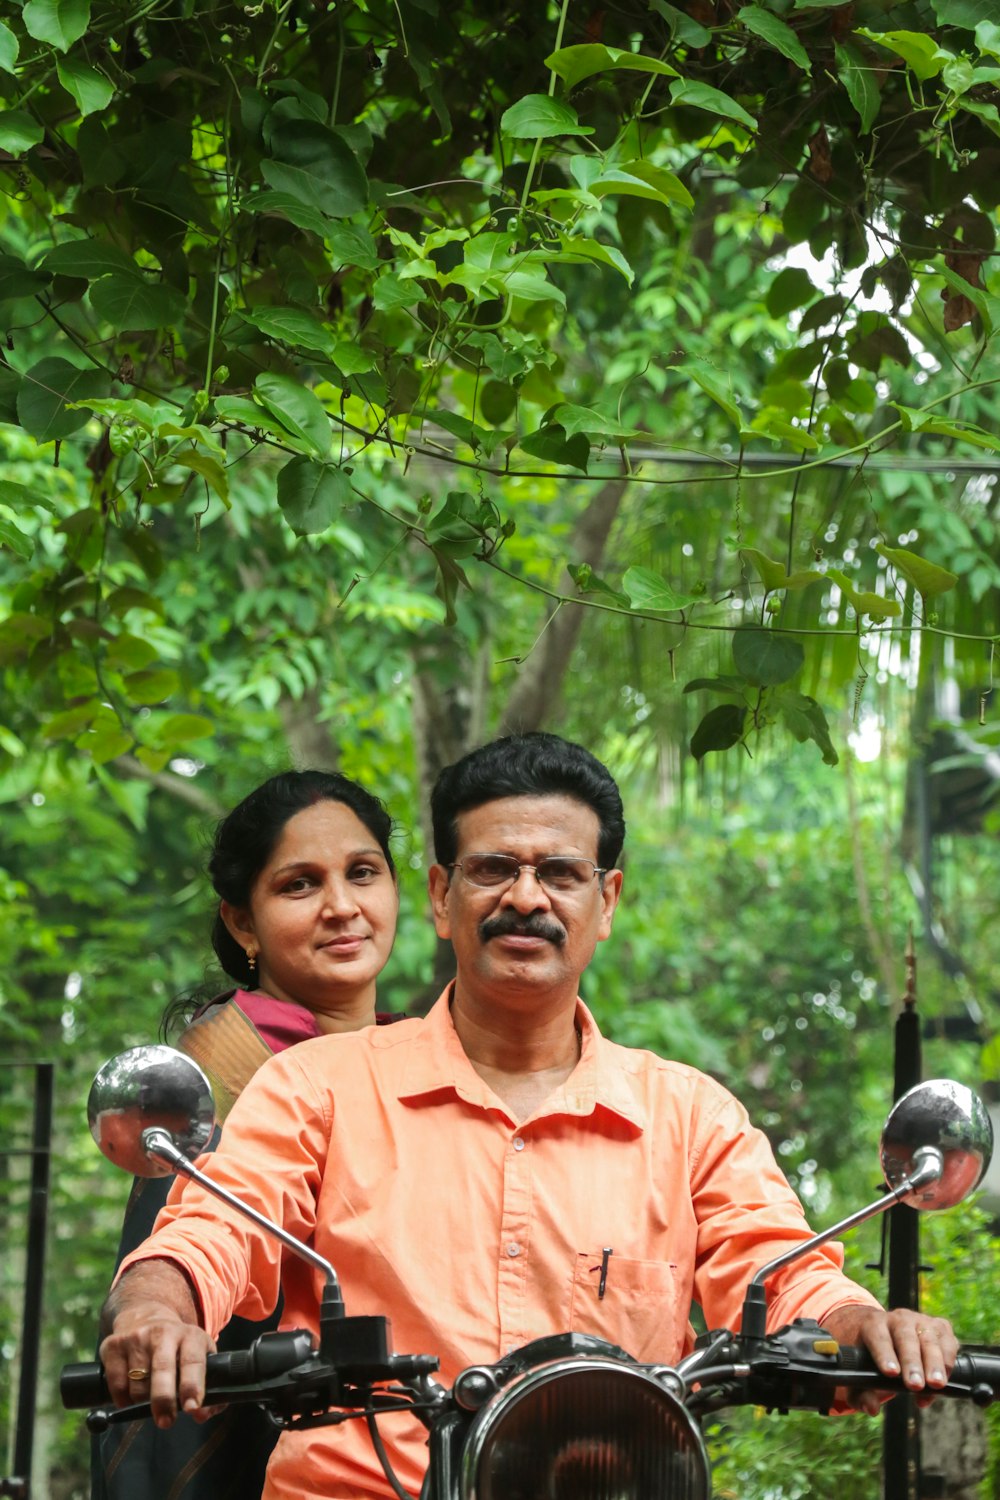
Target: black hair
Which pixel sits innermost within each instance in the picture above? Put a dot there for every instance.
(245, 840)
(527, 765)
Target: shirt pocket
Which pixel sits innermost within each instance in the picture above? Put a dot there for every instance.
(640, 1310)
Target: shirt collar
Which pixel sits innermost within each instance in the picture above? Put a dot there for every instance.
(598, 1085)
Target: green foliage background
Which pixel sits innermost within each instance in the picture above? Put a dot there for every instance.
(375, 377)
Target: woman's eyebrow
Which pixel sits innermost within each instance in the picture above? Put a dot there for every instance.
(309, 864)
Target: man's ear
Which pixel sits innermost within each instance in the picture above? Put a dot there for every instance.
(611, 894)
(438, 886)
(238, 921)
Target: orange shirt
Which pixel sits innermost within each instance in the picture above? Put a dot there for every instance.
(475, 1234)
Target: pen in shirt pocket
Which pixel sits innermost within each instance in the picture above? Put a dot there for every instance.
(602, 1284)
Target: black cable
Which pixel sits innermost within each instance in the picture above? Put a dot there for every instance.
(383, 1458)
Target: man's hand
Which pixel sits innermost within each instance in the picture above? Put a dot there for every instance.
(156, 1350)
(920, 1348)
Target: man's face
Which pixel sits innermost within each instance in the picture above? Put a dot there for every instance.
(522, 938)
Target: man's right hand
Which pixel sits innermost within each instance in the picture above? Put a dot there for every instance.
(156, 1350)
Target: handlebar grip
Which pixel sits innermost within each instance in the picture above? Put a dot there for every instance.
(84, 1385)
(974, 1366)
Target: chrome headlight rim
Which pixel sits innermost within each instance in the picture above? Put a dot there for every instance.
(530, 1382)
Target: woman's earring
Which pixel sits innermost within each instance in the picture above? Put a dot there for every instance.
(252, 960)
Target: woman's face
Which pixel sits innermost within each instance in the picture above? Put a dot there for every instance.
(322, 912)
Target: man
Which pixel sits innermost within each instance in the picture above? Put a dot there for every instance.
(497, 1171)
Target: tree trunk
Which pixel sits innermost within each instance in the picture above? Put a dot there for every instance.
(451, 698)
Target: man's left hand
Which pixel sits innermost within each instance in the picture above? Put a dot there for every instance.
(920, 1348)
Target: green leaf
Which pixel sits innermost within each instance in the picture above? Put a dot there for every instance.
(58, 22)
(588, 582)
(71, 722)
(770, 425)
(577, 248)
(315, 167)
(89, 259)
(765, 658)
(876, 606)
(450, 578)
(391, 292)
(209, 468)
(772, 574)
(19, 131)
(730, 687)
(958, 75)
(702, 96)
(884, 342)
(131, 651)
(967, 14)
(720, 729)
(456, 529)
(531, 287)
(683, 28)
(552, 444)
(285, 206)
(639, 179)
(858, 78)
(573, 64)
(48, 388)
(14, 539)
(8, 48)
(352, 245)
(647, 590)
(915, 420)
(297, 409)
(988, 37)
(351, 359)
(777, 33)
(920, 52)
(574, 419)
(249, 414)
(806, 720)
(536, 117)
(793, 287)
(292, 325)
(129, 302)
(151, 687)
(311, 495)
(710, 380)
(927, 578)
(20, 496)
(178, 729)
(18, 280)
(91, 89)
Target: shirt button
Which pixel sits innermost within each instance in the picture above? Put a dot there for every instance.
(513, 1249)
(518, 1143)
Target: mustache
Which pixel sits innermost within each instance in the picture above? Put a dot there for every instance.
(510, 924)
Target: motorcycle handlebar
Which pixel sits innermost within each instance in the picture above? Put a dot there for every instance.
(273, 1354)
(974, 1367)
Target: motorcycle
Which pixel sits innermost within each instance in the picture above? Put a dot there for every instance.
(567, 1417)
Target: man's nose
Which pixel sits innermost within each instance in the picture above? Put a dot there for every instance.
(526, 893)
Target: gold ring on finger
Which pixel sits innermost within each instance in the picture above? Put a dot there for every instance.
(138, 1374)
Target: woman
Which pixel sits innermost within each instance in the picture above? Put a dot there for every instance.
(305, 924)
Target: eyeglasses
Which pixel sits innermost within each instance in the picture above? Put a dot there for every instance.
(563, 874)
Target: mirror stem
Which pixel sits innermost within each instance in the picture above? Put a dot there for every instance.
(158, 1144)
(928, 1167)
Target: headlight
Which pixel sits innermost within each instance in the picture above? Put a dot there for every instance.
(585, 1429)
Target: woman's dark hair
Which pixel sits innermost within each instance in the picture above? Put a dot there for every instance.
(245, 840)
(527, 765)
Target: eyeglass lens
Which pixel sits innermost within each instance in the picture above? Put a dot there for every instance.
(556, 873)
